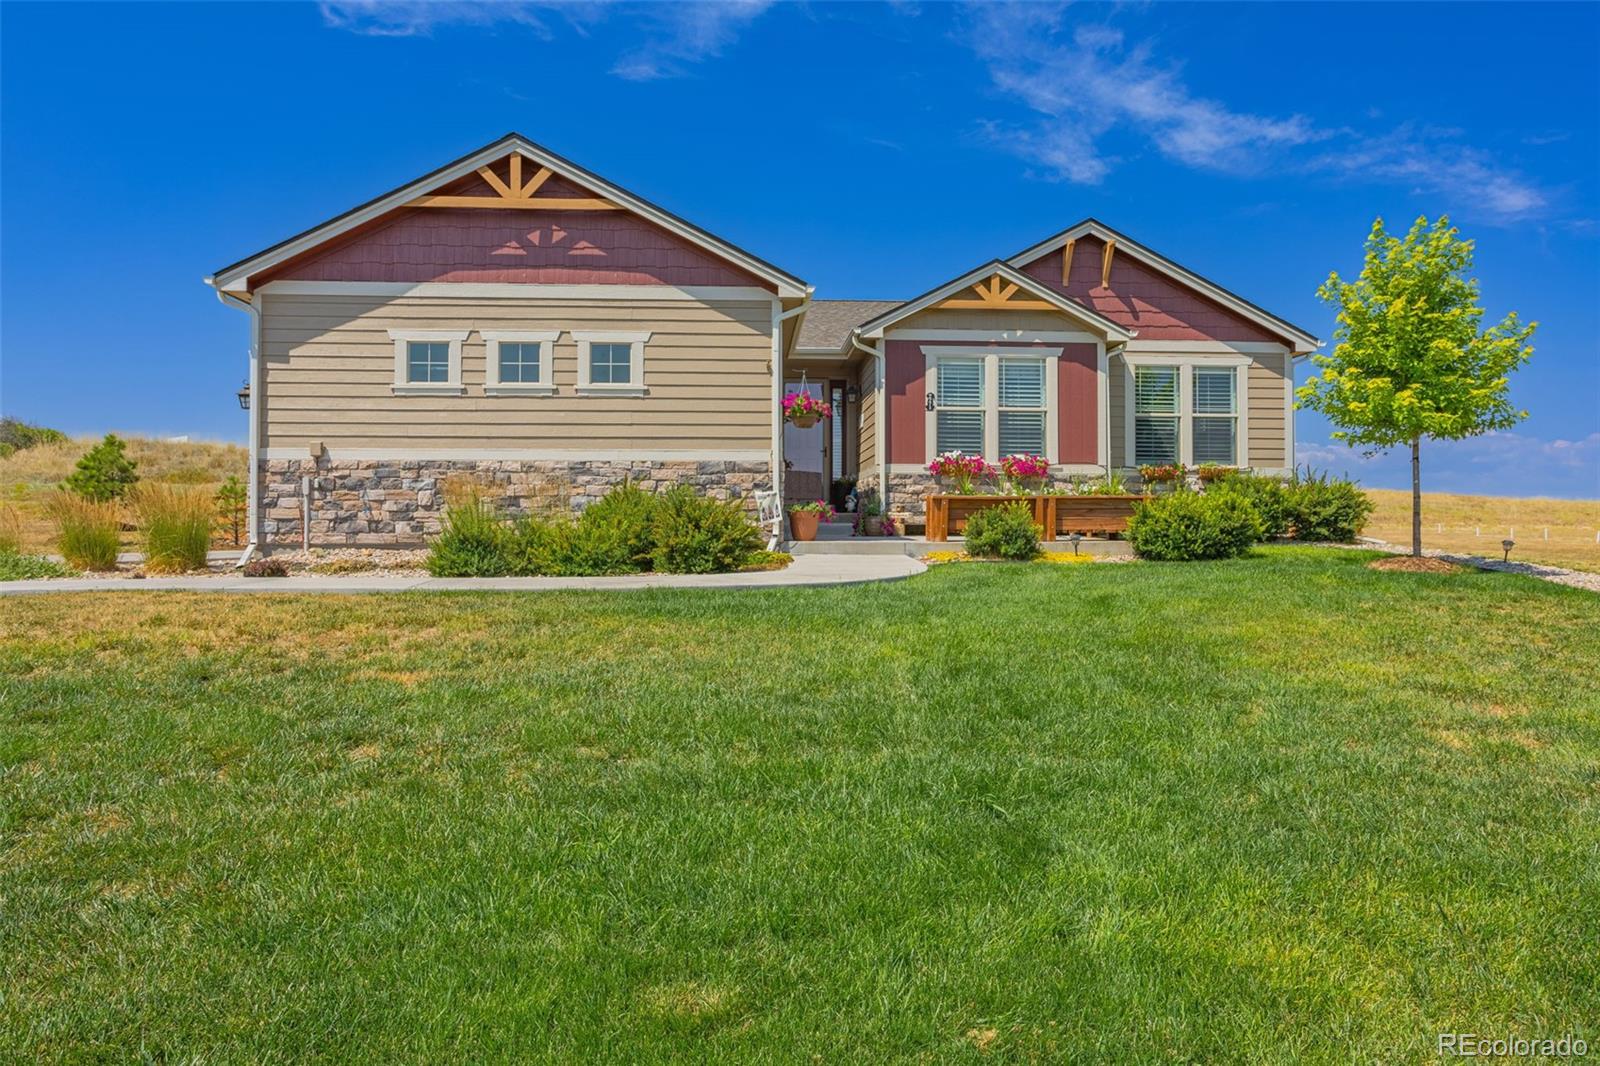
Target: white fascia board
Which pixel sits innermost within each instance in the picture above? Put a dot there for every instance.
(1166, 266)
(508, 290)
(239, 276)
(1105, 327)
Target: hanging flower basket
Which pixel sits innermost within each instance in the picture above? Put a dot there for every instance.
(803, 410)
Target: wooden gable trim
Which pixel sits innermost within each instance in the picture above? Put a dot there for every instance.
(992, 297)
(515, 194)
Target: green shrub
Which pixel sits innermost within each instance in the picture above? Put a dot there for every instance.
(761, 559)
(104, 472)
(473, 543)
(15, 566)
(624, 514)
(1004, 532)
(698, 535)
(174, 527)
(564, 548)
(1324, 508)
(16, 435)
(1268, 495)
(88, 532)
(1192, 525)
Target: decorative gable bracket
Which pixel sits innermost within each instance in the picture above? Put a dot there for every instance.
(994, 294)
(517, 194)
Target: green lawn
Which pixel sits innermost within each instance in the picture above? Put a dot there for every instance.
(1278, 808)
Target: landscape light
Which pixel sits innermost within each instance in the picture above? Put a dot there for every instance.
(1075, 538)
(1508, 544)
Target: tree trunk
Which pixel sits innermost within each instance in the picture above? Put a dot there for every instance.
(1416, 496)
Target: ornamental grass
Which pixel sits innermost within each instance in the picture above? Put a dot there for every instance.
(174, 526)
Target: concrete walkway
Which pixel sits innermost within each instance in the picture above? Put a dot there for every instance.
(805, 570)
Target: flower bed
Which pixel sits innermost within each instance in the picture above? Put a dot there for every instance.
(1058, 515)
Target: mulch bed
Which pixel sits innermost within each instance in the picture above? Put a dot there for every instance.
(1412, 564)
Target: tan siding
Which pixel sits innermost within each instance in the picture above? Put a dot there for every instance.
(1116, 372)
(1266, 421)
(868, 437)
(995, 320)
(329, 367)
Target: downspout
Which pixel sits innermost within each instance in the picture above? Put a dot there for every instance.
(1105, 417)
(879, 432)
(779, 317)
(252, 519)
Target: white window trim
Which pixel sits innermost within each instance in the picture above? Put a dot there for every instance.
(931, 355)
(545, 339)
(636, 387)
(1187, 365)
(450, 387)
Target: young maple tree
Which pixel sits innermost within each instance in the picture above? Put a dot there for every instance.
(1409, 359)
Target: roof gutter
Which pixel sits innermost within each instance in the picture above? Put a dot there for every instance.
(253, 516)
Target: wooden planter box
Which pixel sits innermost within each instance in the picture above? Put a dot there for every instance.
(1058, 516)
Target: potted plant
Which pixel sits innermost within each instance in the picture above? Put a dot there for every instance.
(1025, 474)
(962, 469)
(870, 520)
(804, 517)
(1162, 474)
(803, 410)
(1209, 472)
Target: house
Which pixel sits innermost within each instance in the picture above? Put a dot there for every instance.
(514, 318)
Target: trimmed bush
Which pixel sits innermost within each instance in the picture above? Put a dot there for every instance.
(1324, 508)
(14, 566)
(626, 514)
(1004, 532)
(1268, 495)
(563, 548)
(1192, 525)
(698, 535)
(473, 543)
(88, 532)
(174, 527)
(104, 472)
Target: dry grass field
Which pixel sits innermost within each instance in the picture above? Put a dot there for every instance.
(1557, 532)
(27, 477)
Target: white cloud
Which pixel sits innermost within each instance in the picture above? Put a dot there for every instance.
(1494, 464)
(1088, 83)
(676, 35)
(686, 33)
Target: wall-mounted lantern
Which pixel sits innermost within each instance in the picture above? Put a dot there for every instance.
(244, 396)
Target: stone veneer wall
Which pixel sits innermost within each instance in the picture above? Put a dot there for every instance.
(379, 503)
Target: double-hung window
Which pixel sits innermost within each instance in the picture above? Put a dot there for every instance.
(1214, 427)
(611, 362)
(427, 361)
(518, 363)
(1156, 417)
(959, 407)
(1022, 406)
(1187, 412)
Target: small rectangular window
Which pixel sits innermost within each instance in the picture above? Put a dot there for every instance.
(959, 406)
(427, 362)
(1155, 414)
(519, 362)
(1215, 408)
(610, 363)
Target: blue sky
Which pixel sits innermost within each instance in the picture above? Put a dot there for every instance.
(873, 150)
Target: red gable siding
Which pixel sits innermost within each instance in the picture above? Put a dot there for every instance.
(523, 247)
(1144, 300)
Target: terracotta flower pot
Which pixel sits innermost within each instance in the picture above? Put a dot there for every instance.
(872, 526)
(803, 524)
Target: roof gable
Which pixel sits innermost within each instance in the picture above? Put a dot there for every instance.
(510, 175)
(997, 286)
(1145, 299)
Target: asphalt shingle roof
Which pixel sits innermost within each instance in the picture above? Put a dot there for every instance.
(829, 322)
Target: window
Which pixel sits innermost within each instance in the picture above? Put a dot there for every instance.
(519, 363)
(991, 401)
(611, 362)
(1187, 409)
(1022, 406)
(1155, 414)
(1215, 424)
(427, 361)
(959, 406)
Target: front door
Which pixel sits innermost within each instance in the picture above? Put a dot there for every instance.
(807, 453)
